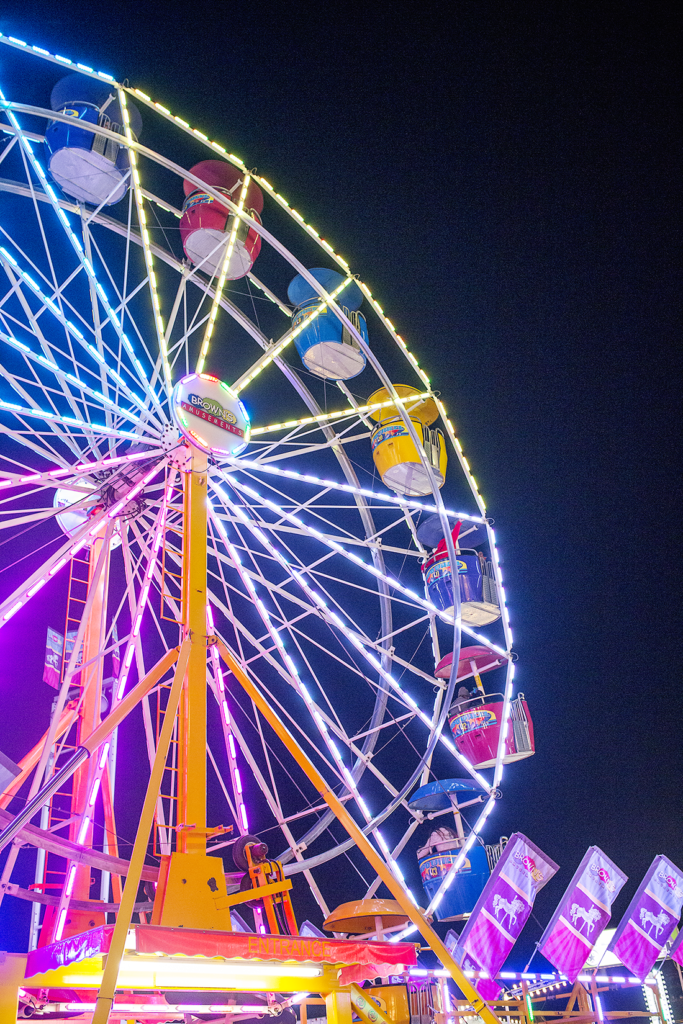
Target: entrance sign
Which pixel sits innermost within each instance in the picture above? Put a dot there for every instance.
(583, 912)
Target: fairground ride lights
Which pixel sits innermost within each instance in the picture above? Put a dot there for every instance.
(238, 485)
(274, 351)
(78, 249)
(86, 467)
(224, 273)
(70, 421)
(302, 690)
(309, 478)
(283, 203)
(454, 868)
(139, 973)
(323, 417)
(87, 815)
(150, 1010)
(59, 560)
(335, 619)
(63, 375)
(144, 234)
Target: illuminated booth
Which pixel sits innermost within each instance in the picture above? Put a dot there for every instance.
(206, 224)
(326, 346)
(395, 453)
(89, 166)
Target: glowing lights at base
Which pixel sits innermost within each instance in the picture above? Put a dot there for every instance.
(150, 1010)
(166, 972)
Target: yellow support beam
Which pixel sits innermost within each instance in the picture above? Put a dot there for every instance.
(366, 1008)
(481, 1007)
(192, 712)
(235, 898)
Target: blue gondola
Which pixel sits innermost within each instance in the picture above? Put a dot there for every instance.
(89, 166)
(480, 604)
(442, 848)
(327, 348)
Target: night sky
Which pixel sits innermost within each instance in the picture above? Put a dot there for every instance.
(505, 178)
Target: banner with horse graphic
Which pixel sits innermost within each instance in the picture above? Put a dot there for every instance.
(583, 912)
(502, 910)
(651, 917)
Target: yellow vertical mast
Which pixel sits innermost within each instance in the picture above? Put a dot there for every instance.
(192, 713)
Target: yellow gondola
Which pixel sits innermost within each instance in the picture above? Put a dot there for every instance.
(395, 453)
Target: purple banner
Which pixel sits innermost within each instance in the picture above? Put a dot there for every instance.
(116, 653)
(502, 910)
(54, 649)
(677, 949)
(651, 917)
(582, 913)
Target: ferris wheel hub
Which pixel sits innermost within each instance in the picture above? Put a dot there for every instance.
(209, 415)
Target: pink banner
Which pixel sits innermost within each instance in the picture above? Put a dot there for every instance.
(651, 917)
(582, 913)
(502, 910)
(677, 949)
(54, 649)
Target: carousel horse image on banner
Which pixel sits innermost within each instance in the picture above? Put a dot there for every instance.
(656, 921)
(589, 917)
(510, 909)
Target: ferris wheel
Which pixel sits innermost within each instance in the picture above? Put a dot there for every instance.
(194, 381)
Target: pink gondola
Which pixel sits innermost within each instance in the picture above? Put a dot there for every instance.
(206, 224)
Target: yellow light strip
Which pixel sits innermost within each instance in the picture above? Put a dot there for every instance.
(270, 295)
(450, 430)
(149, 259)
(295, 215)
(166, 113)
(224, 273)
(351, 411)
(275, 350)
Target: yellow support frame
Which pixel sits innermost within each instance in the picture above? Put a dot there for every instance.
(188, 695)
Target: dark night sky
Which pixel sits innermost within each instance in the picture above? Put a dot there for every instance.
(505, 178)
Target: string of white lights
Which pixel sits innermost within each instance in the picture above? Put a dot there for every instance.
(275, 350)
(335, 546)
(334, 619)
(146, 248)
(78, 248)
(11, 605)
(309, 478)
